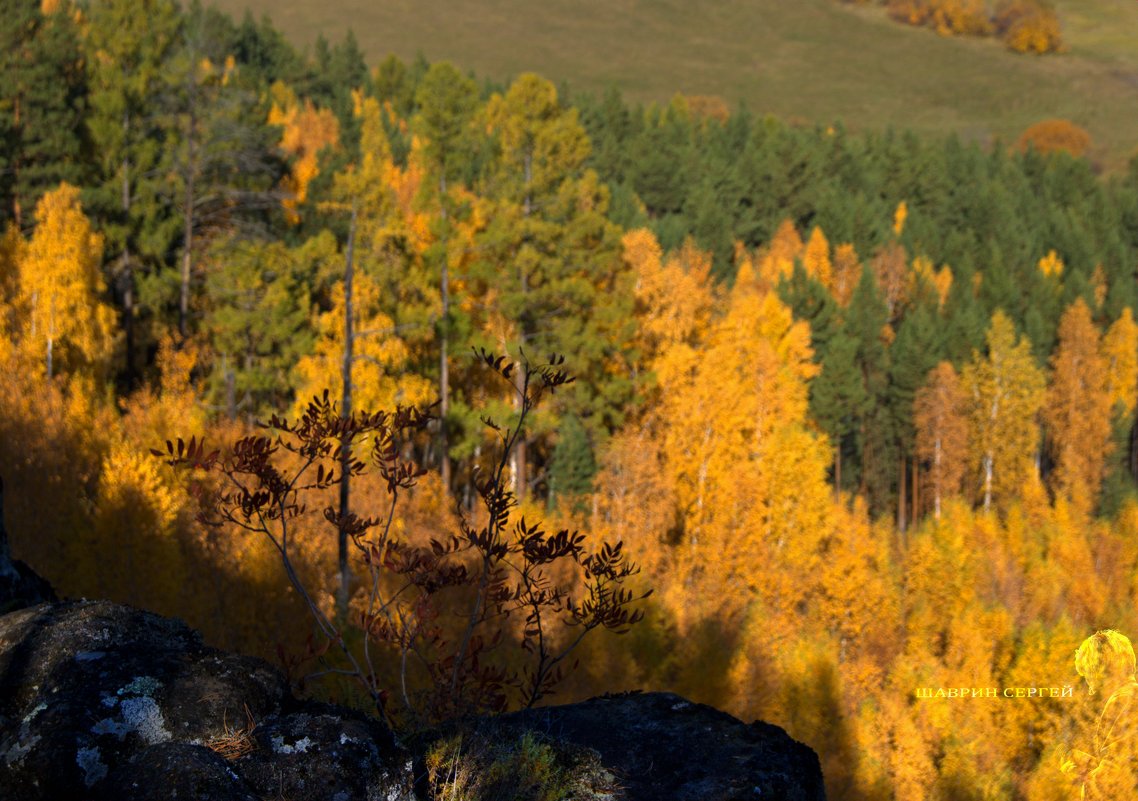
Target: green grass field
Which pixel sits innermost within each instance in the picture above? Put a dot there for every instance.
(806, 60)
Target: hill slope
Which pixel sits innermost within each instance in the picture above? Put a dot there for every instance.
(813, 60)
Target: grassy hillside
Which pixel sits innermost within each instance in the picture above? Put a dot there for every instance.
(807, 60)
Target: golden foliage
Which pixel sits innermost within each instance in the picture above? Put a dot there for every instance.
(306, 131)
(816, 258)
(11, 253)
(60, 285)
(899, 217)
(942, 433)
(1120, 349)
(711, 107)
(1029, 26)
(846, 274)
(1053, 136)
(148, 411)
(939, 281)
(859, 603)
(380, 378)
(674, 297)
(1051, 265)
(832, 626)
(1006, 392)
(776, 261)
(946, 17)
(772, 598)
(52, 443)
(1026, 26)
(1077, 411)
(735, 476)
(135, 507)
(891, 268)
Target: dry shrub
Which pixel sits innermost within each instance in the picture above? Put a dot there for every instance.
(1029, 26)
(1026, 26)
(1054, 135)
(708, 107)
(947, 17)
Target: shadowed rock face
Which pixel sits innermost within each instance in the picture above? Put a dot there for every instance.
(662, 746)
(176, 771)
(100, 701)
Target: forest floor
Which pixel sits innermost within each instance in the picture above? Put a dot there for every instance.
(812, 61)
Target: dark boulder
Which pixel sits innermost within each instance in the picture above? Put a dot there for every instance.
(323, 753)
(93, 696)
(659, 745)
(177, 772)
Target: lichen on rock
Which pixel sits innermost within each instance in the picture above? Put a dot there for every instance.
(76, 725)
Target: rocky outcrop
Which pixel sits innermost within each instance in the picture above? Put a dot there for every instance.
(101, 701)
(659, 745)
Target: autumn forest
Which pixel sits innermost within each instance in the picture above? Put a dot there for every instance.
(861, 406)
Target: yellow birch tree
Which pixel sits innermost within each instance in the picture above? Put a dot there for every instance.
(1005, 392)
(60, 285)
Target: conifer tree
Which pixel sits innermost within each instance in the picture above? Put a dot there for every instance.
(875, 431)
(224, 163)
(837, 394)
(659, 161)
(915, 351)
(573, 464)
(340, 72)
(447, 101)
(42, 96)
(838, 399)
(128, 47)
(550, 257)
(257, 321)
(264, 52)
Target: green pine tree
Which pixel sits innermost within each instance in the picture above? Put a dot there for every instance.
(551, 258)
(128, 49)
(42, 98)
(875, 433)
(572, 465)
(257, 320)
